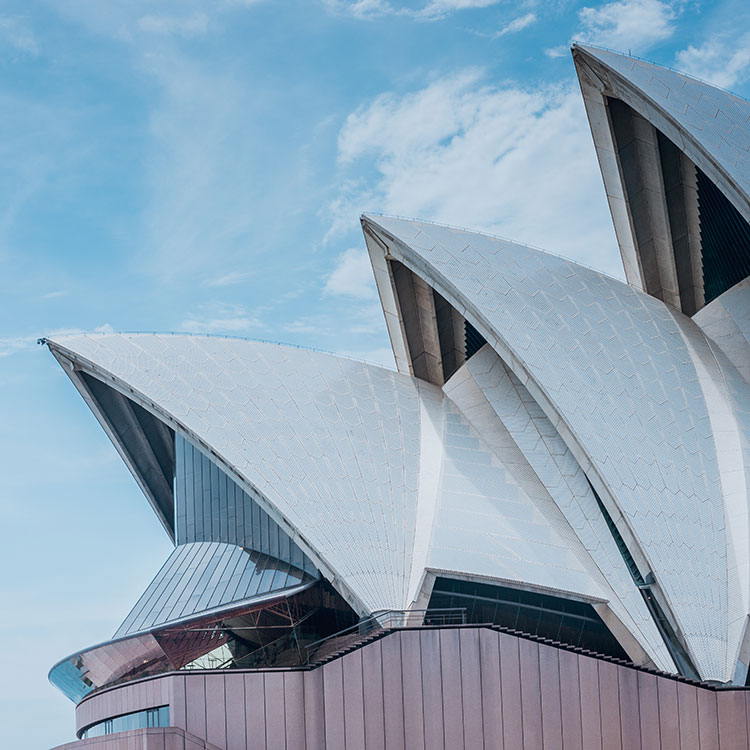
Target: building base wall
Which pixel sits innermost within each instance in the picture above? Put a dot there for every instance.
(465, 688)
(164, 738)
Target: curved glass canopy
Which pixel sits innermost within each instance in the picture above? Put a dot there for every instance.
(186, 613)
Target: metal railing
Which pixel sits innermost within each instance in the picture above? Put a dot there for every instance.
(384, 620)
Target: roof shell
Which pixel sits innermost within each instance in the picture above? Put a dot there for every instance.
(711, 125)
(630, 385)
(365, 468)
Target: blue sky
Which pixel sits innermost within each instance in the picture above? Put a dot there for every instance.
(201, 166)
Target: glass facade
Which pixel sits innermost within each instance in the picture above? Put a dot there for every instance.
(725, 239)
(211, 507)
(152, 717)
(564, 620)
(474, 340)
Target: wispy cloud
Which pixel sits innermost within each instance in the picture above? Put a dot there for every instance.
(352, 276)
(495, 158)
(724, 60)
(17, 38)
(11, 345)
(432, 10)
(517, 24)
(191, 25)
(38, 144)
(436, 9)
(55, 294)
(360, 8)
(201, 169)
(221, 318)
(230, 278)
(627, 25)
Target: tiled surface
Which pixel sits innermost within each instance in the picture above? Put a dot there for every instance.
(616, 372)
(331, 444)
(717, 120)
(726, 321)
(562, 492)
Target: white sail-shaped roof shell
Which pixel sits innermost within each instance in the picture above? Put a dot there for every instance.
(672, 127)
(382, 479)
(654, 415)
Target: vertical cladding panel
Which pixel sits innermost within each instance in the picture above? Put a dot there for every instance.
(412, 681)
(570, 700)
(432, 690)
(216, 710)
(610, 706)
(591, 719)
(687, 706)
(235, 703)
(708, 720)
(531, 695)
(294, 709)
(549, 675)
(732, 720)
(372, 676)
(315, 726)
(255, 711)
(669, 724)
(354, 702)
(333, 692)
(450, 668)
(275, 710)
(471, 689)
(393, 699)
(177, 702)
(195, 705)
(492, 697)
(510, 681)
(630, 716)
(648, 709)
(165, 684)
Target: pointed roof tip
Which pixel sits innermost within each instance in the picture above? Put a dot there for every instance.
(612, 58)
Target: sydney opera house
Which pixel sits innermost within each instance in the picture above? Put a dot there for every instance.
(533, 533)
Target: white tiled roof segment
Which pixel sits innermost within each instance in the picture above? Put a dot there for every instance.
(717, 121)
(332, 444)
(622, 377)
(341, 452)
(562, 485)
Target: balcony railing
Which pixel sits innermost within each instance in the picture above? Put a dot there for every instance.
(379, 621)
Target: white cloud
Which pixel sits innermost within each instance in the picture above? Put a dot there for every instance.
(382, 355)
(11, 345)
(352, 276)
(430, 11)
(202, 179)
(723, 60)
(15, 35)
(193, 25)
(517, 24)
(221, 318)
(360, 8)
(518, 163)
(627, 25)
(230, 278)
(439, 8)
(561, 51)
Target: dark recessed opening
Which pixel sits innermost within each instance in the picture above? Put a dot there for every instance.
(567, 621)
(725, 240)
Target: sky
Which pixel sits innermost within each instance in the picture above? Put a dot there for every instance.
(176, 165)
